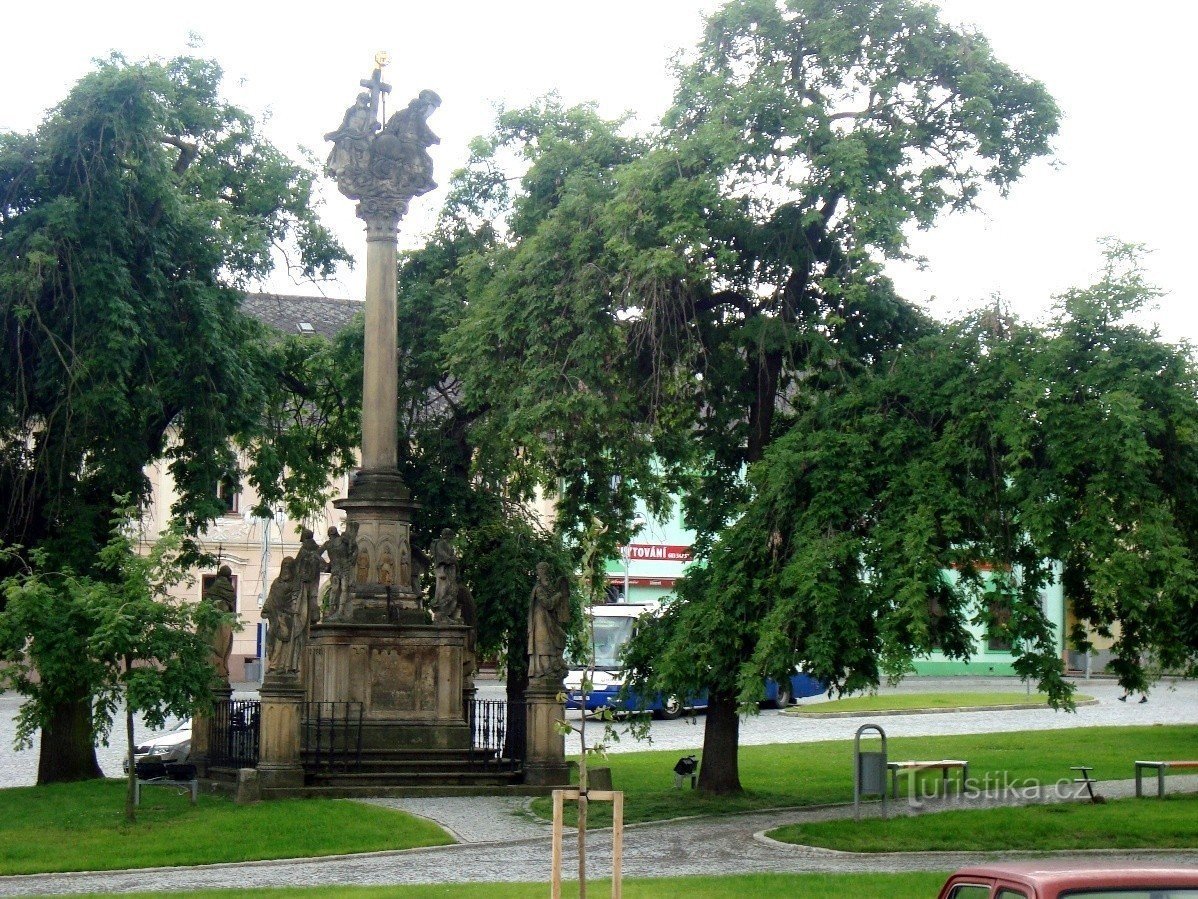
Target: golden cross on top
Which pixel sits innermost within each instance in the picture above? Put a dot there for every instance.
(375, 83)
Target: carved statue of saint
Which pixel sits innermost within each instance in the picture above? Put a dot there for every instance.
(386, 567)
(362, 575)
(308, 564)
(399, 153)
(548, 616)
(223, 596)
(286, 619)
(340, 548)
(445, 570)
(351, 142)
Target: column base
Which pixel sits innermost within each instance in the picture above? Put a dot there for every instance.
(545, 748)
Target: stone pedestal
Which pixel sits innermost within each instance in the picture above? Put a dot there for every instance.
(279, 765)
(384, 590)
(545, 748)
(201, 730)
(409, 679)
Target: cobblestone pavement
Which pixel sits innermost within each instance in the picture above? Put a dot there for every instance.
(698, 846)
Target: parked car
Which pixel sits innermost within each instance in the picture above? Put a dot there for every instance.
(171, 747)
(1074, 879)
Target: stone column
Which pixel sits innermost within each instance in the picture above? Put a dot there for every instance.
(545, 748)
(378, 500)
(379, 382)
(279, 763)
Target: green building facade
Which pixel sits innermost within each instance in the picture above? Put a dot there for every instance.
(661, 550)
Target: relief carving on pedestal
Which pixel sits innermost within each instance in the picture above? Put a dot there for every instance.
(386, 567)
(362, 572)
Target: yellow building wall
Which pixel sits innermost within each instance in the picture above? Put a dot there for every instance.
(252, 547)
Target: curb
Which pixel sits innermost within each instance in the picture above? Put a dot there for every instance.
(934, 854)
(799, 711)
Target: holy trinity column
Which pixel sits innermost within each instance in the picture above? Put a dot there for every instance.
(382, 163)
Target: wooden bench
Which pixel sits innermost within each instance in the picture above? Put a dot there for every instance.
(1161, 769)
(914, 767)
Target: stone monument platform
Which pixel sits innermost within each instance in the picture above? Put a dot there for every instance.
(409, 678)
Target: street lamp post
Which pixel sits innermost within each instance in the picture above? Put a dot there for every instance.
(626, 550)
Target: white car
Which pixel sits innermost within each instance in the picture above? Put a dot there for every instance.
(171, 746)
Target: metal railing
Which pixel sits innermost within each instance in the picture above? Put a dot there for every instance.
(332, 735)
(233, 740)
(492, 740)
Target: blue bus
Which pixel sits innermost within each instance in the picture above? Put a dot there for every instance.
(613, 626)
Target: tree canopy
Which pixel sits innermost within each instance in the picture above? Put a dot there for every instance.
(1011, 453)
(659, 308)
(130, 220)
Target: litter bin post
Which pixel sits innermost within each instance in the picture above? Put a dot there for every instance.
(869, 770)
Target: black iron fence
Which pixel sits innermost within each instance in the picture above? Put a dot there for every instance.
(332, 735)
(494, 740)
(233, 740)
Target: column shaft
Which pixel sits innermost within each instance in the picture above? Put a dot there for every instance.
(379, 377)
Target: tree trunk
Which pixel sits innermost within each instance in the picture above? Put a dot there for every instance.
(130, 746)
(720, 770)
(517, 683)
(67, 751)
(131, 781)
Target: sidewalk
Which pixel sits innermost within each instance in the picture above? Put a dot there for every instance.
(501, 843)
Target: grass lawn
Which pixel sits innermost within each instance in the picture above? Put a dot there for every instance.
(897, 702)
(797, 774)
(81, 826)
(811, 886)
(1124, 824)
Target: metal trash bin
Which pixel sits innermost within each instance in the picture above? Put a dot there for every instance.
(869, 770)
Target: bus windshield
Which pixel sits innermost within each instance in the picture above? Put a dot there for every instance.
(611, 634)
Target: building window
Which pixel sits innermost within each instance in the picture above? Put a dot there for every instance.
(206, 581)
(228, 495)
(998, 637)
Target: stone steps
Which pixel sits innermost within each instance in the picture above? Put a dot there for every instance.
(431, 779)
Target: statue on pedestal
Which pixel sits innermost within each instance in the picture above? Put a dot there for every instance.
(445, 569)
(221, 594)
(308, 565)
(548, 617)
(342, 551)
(287, 621)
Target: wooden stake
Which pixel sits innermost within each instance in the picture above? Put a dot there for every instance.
(616, 798)
(617, 844)
(555, 890)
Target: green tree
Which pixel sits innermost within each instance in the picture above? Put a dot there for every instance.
(670, 303)
(129, 222)
(1037, 453)
(129, 643)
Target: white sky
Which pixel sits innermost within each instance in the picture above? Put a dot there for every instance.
(1119, 71)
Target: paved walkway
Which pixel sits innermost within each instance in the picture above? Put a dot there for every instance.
(500, 842)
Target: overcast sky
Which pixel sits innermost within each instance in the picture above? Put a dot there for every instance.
(1120, 71)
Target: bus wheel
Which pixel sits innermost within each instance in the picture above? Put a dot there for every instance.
(671, 708)
(784, 697)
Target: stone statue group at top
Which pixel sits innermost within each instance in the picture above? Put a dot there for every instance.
(383, 165)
